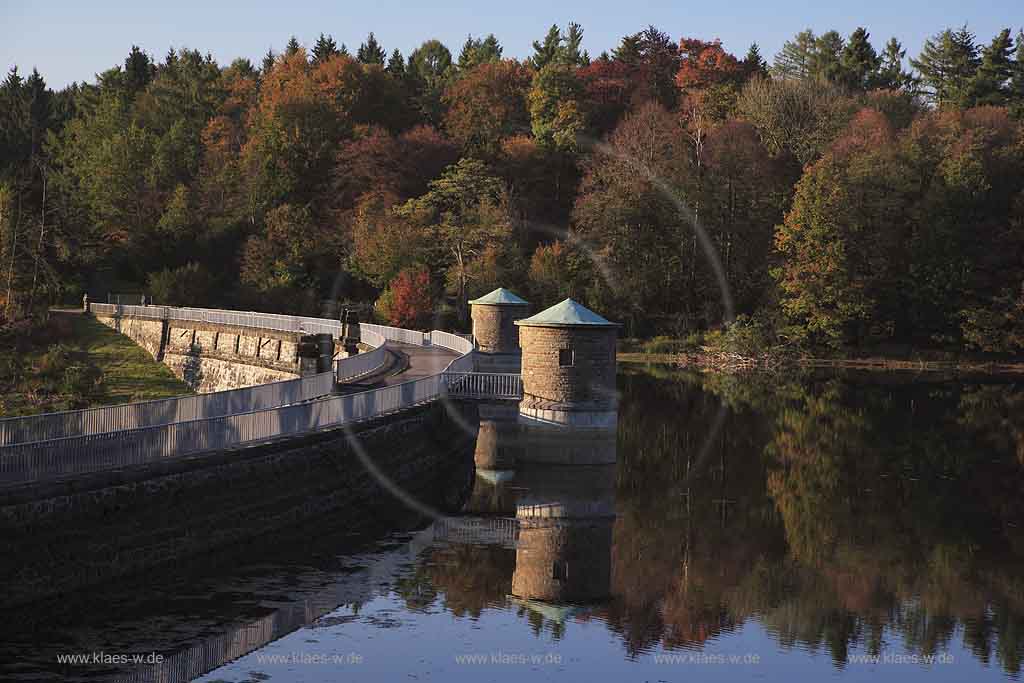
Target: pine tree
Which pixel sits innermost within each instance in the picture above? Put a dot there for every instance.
(292, 47)
(860, 62)
(476, 51)
(891, 75)
(571, 53)
(324, 49)
(547, 51)
(1016, 89)
(754, 64)
(371, 51)
(794, 60)
(991, 82)
(396, 64)
(268, 62)
(138, 70)
(826, 61)
(628, 51)
(947, 64)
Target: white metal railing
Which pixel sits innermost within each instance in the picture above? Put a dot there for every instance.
(396, 334)
(268, 321)
(348, 369)
(65, 451)
(447, 340)
(49, 426)
(89, 453)
(487, 385)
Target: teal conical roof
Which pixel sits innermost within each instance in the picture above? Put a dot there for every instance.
(500, 297)
(567, 314)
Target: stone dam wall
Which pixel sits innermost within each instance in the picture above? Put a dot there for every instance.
(213, 357)
(61, 536)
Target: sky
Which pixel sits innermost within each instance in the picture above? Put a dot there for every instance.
(73, 40)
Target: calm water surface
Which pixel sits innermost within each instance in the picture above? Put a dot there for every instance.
(847, 528)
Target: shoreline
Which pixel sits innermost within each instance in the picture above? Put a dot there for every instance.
(728, 363)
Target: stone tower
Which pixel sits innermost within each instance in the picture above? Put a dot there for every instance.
(568, 367)
(496, 335)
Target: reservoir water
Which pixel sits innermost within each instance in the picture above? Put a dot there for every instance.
(841, 527)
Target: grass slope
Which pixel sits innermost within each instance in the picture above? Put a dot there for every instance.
(71, 361)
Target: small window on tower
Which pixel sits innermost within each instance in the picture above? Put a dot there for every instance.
(560, 571)
(565, 357)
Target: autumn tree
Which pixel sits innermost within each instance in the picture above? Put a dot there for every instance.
(550, 274)
(488, 104)
(632, 227)
(464, 211)
(407, 302)
(654, 57)
(838, 237)
(556, 114)
(279, 258)
(799, 117)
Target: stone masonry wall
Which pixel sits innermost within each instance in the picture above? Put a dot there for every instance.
(494, 328)
(59, 536)
(211, 357)
(588, 383)
(149, 334)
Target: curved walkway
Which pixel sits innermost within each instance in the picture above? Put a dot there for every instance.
(424, 361)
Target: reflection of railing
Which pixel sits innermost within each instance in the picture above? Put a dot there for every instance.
(484, 385)
(477, 530)
(32, 428)
(135, 443)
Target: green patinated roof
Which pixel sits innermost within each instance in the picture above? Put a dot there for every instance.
(567, 314)
(499, 297)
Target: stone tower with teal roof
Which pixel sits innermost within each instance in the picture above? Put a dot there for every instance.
(568, 367)
(494, 331)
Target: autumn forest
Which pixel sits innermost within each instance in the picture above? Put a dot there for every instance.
(834, 195)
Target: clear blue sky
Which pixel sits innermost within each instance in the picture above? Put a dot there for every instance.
(72, 40)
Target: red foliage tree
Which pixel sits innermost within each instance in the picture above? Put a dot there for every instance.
(608, 87)
(703, 64)
(411, 304)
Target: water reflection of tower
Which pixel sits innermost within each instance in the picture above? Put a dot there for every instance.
(565, 426)
(565, 517)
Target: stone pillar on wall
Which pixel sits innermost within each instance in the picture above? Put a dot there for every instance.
(568, 367)
(494, 330)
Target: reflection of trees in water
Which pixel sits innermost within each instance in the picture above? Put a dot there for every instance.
(467, 577)
(832, 510)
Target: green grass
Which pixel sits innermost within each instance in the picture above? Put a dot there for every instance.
(70, 362)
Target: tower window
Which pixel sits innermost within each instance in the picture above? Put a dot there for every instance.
(565, 357)
(560, 571)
